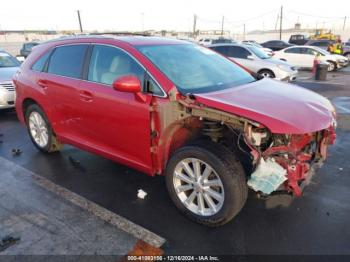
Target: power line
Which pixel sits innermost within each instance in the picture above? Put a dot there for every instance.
(252, 18)
(315, 16)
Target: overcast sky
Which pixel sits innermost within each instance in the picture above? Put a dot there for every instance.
(169, 15)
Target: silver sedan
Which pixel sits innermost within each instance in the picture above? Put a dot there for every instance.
(8, 67)
(257, 61)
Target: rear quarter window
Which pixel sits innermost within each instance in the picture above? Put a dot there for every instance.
(39, 65)
(68, 61)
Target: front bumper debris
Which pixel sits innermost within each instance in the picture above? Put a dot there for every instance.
(290, 167)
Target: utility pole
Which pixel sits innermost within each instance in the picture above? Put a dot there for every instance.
(344, 23)
(243, 31)
(3, 31)
(194, 26)
(80, 25)
(281, 19)
(222, 26)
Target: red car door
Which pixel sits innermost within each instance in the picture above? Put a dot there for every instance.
(114, 123)
(61, 83)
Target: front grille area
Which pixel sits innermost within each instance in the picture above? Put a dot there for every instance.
(9, 86)
(10, 103)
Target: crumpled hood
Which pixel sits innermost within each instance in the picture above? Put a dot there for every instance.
(281, 107)
(340, 57)
(6, 73)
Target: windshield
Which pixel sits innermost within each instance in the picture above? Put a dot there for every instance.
(258, 52)
(7, 60)
(195, 69)
(322, 51)
(256, 44)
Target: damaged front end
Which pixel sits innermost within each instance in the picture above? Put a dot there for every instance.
(285, 162)
(280, 162)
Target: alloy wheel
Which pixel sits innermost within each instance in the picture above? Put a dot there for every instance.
(266, 74)
(38, 129)
(198, 187)
(330, 67)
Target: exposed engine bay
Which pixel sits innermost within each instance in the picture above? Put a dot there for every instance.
(280, 162)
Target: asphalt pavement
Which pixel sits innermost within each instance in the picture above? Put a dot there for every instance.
(318, 223)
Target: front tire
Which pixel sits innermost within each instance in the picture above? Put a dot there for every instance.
(332, 66)
(207, 183)
(40, 130)
(267, 73)
(347, 55)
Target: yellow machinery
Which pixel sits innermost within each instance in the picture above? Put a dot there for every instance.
(322, 34)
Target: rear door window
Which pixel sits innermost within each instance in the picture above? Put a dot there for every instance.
(221, 49)
(238, 52)
(309, 51)
(293, 50)
(68, 61)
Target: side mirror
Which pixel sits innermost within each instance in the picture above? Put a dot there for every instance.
(250, 57)
(129, 83)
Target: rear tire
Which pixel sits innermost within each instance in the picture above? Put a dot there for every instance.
(225, 178)
(40, 130)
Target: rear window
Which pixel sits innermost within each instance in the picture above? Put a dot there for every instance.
(29, 46)
(68, 61)
(320, 44)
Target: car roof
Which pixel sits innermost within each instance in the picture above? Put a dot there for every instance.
(132, 40)
(301, 46)
(227, 44)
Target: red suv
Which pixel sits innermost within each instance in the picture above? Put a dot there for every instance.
(167, 107)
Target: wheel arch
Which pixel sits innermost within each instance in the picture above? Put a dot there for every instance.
(176, 136)
(267, 69)
(30, 101)
(334, 63)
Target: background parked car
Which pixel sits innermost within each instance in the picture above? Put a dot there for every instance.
(254, 59)
(8, 67)
(346, 50)
(298, 39)
(27, 48)
(208, 41)
(253, 43)
(304, 56)
(250, 42)
(276, 45)
(320, 43)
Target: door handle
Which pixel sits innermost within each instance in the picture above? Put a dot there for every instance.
(85, 96)
(42, 83)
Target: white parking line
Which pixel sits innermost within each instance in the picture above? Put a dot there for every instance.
(100, 212)
(323, 83)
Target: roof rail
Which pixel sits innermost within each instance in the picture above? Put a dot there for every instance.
(126, 33)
